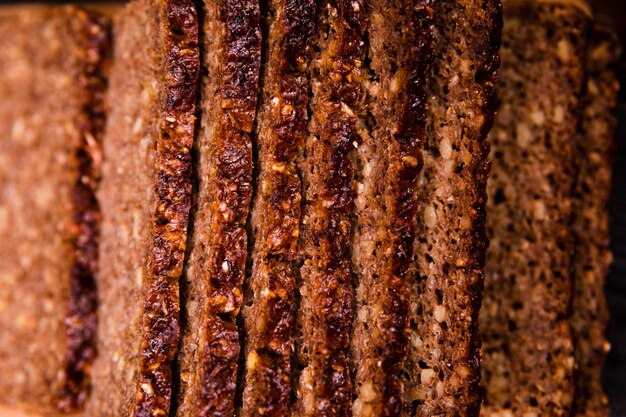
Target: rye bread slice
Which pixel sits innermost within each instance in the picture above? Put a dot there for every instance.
(215, 267)
(53, 76)
(591, 224)
(442, 373)
(145, 196)
(269, 314)
(324, 387)
(393, 130)
(528, 354)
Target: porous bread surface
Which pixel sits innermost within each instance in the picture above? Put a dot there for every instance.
(401, 40)
(281, 130)
(215, 267)
(145, 196)
(528, 355)
(442, 372)
(591, 224)
(324, 387)
(52, 109)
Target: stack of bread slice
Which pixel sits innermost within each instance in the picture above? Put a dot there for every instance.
(286, 211)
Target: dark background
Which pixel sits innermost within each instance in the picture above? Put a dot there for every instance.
(613, 14)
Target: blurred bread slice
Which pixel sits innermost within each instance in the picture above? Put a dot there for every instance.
(595, 147)
(53, 76)
(528, 345)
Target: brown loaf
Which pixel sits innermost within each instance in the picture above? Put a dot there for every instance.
(214, 273)
(591, 224)
(269, 314)
(51, 104)
(528, 365)
(145, 196)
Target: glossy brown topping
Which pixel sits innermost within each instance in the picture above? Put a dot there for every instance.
(325, 316)
(81, 321)
(159, 330)
(280, 136)
(401, 39)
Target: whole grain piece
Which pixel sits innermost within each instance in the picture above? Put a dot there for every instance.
(269, 315)
(442, 372)
(528, 354)
(401, 42)
(214, 272)
(324, 387)
(53, 76)
(591, 224)
(145, 196)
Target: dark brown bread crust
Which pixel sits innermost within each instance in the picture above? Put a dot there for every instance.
(281, 132)
(214, 274)
(81, 322)
(325, 316)
(528, 352)
(444, 350)
(401, 40)
(591, 224)
(175, 130)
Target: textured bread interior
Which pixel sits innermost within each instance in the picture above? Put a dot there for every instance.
(51, 111)
(592, 257)
(393, 120)
(443, 369)
(325, 311)
(127, 198)
(215, 268)
(145, 195)
(528, 360)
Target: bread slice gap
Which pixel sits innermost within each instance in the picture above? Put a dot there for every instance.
(212, 293)
(281, 130)
(145, 198)
(528, 352)
(51, 106)
(592, 259)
